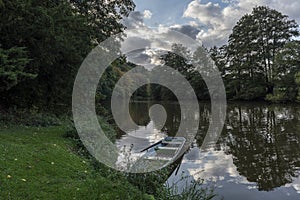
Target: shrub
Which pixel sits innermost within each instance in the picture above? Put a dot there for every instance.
(29, 118)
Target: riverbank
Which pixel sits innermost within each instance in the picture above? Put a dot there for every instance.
(40, 163)
(42, 157)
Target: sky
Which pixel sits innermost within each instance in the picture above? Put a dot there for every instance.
(209, 21)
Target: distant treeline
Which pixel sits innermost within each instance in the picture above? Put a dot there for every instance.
(43, 43)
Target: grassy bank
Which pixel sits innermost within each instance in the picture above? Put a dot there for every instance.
(39, 163)
(42, 157)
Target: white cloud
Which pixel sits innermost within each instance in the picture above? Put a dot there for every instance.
(189, 30)
(208, 13)
(220, 21)
(152, 42)
(211, 166)
(194, 24)
(147, 14)
(134, 20)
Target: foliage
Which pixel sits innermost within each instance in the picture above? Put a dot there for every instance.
(193, 190)
(278, 96)
(182, 60)
(72, 134)
(297, 80)
(251, 52)
(287, 65)
(259, 62)
(57, 36)
(30, 117)
(151, 183)
(112, 74)
(12, 67)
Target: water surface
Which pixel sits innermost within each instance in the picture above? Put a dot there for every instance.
(256, 157)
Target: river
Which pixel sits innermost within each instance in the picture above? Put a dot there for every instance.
(256, 157)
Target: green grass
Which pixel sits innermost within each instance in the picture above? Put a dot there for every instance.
(39, 163)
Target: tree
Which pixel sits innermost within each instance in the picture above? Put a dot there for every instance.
(220, 58)
(12, 67)
(57, 36)
(252, 48)
(297, 80)
(178, 59)
(189, 65)
(104, 16)
(287, 65)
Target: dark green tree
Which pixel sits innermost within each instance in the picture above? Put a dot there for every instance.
(252, 47)
(13, 64)
(189, 65)
(219, 56)
(57, 35)
(179, 60)
(287, 65)
(297, 80)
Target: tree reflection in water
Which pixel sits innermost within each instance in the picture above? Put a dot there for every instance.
(263, 140)
(264, 143)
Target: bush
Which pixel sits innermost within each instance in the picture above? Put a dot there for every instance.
(154, 183)
(29, 118)
(193, 190)
(276, 98)
(106, 127)
(72, 133)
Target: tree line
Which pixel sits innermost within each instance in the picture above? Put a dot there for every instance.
(43, 43)
(261, 61)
